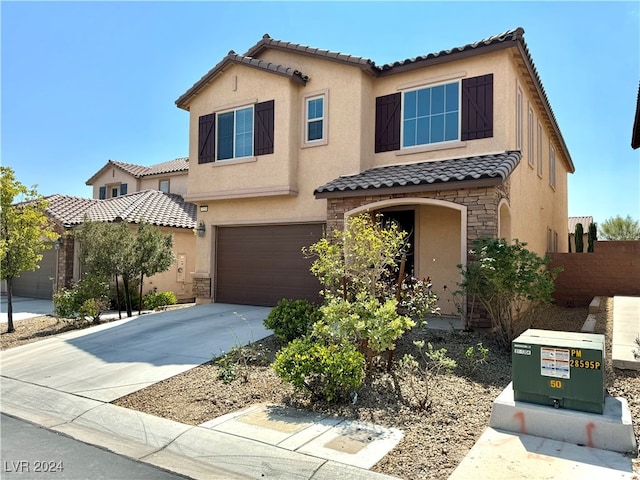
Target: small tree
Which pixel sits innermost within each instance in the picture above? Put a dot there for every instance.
(510, 282)
(592, 237)
(618, 228)
(25, 232)
(579, 238)
(154, 253)
(114, 249)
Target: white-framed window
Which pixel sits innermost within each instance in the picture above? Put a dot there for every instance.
(315, 114)
(531, 138)
(163, 186)
(539, 158)
(234, 134)
(431, 115)
(552, 166)
(314, 119)
(518, 118)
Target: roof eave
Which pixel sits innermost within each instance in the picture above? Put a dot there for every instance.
(427, 187)
(545, 102)
(184, 100)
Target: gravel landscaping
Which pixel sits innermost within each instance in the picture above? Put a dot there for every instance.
(436, 438)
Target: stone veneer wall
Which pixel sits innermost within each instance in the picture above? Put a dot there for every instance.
(481, 203)
(201, 287)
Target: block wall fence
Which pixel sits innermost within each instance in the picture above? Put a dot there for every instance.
(613, 268)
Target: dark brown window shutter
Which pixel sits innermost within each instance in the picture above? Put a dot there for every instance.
(477, 107)
(263, 128)
(207, 138)
(388, 122)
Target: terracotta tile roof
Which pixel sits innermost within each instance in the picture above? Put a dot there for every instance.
(138, 171)
(150, 206)
(443, 174)
(585, 221)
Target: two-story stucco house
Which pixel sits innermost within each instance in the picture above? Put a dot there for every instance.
(288, 140)
(119, 178)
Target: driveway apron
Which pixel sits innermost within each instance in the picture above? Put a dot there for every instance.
(115, 359)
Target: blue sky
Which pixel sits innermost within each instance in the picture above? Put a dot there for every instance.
(85, 82)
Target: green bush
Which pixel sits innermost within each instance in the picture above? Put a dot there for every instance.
(155, 300)
(510, 282)
(328, 372)
(291, 319)
(87, 299)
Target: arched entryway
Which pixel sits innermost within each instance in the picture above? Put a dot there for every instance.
(439, 233)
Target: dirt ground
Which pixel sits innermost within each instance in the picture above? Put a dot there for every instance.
(436, 438)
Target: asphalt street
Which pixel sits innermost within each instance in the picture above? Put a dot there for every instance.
(32, 452)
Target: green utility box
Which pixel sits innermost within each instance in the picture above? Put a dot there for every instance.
(561, 369)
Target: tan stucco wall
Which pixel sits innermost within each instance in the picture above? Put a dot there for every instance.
(438, 239)
(534, 205)
(177, 183)
(183, 245)
(113, 177)
(265, 180)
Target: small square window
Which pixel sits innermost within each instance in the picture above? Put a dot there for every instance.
(114, 192)
(164, 186)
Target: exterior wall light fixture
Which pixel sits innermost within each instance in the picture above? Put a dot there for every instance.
(201, 229)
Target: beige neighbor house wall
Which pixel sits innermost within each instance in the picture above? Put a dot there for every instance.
(279, 187)
(177, 182)
(113, 177)
(177, 278)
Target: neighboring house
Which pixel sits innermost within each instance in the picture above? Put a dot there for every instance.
(573, 221)
(288, 140)
(60, 265)
(119, 178)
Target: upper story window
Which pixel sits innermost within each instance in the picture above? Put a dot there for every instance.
(456, 111)
(239, 133)
(530, 138)
(315, 119)
(235, 134)
(315, 114)
(112, 190)
(539, 162)
(163, 186)
(552, 166)
(518, 118)
(431, 115)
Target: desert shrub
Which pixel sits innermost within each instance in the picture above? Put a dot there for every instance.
(87, 299)
(331, 372)
(238, 361)
(372, 325)
(155, 300)
(291, 319)
(423, 373)
(473, 357)
(511, 283)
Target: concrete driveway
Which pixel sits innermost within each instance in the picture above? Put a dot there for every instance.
(24, 308)
(112, 360)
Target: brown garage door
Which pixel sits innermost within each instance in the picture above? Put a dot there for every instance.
(260, 265)
(38, 283)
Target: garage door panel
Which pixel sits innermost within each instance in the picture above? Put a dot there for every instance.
(260, 265)
(37, 283)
